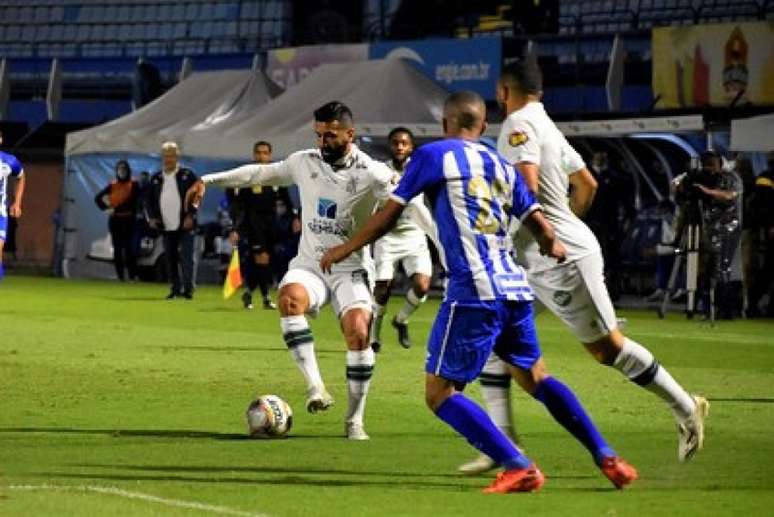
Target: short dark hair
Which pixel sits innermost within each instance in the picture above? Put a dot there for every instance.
(259, 143)
(400, 129)
(524, 73)
(460, 108)
(333, 110)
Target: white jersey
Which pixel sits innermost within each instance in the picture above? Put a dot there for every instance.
(406, 235)
(529, 135)
(334, 202)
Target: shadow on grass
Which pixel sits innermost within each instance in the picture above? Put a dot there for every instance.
(156, 433)
(744, 400)
(221, 348)
(159, 298)
(274, 469)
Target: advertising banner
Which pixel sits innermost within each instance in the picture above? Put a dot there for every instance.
(287, 66)
(714, 64)
(456, 64)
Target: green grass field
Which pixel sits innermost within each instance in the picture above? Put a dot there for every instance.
(116, 402)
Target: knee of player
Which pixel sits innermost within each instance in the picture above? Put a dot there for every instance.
(421, 285)
(290, 304)
(604, 350)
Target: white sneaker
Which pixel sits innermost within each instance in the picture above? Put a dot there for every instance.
(691, 430)
(479, 465)
(318, 399)
(355, 431)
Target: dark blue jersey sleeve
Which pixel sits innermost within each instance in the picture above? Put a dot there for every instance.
(423, 171)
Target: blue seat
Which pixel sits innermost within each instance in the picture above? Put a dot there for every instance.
(83, 33)
(207, 11)
(192, 12)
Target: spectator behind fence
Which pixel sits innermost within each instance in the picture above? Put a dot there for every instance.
(761, 209)
(287, 234)
(119, 200)
(168, 214)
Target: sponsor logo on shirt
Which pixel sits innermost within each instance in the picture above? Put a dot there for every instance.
(328, 226)
(517, 138)
(326, 208)
(562, 298)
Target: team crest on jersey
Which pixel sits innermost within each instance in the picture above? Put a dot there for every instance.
(562, 298)
(517, 138)
(326, 208)
(5, 169)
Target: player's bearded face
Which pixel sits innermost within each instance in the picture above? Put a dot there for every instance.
(333, 139)
(401, 146)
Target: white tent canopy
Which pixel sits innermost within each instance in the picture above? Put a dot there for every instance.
(753, 134)
(203, 102)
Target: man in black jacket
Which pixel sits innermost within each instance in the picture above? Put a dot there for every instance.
(167, 213)
(252, 213)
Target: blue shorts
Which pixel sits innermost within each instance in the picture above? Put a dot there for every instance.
(3, 227)
(465, 333)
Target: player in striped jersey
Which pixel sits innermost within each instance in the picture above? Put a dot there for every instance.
(574, 291)
(10, 167)
(473, 194)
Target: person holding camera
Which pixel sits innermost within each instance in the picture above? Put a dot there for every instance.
(713, 195)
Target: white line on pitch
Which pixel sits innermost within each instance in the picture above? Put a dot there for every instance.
(179, 503)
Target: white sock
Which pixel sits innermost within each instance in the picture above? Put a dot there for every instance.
(640, 367)
(360, 367)
(298, 338)
(375, 332)
(411, 304)
(495, 383)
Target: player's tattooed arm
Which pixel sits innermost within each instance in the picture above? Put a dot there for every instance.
(375, 227)
(545, 236)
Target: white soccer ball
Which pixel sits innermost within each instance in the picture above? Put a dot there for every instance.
(269, 416)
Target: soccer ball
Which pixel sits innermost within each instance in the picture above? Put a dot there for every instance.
(269, 416)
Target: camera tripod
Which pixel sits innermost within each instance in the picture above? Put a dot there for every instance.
(688, 251)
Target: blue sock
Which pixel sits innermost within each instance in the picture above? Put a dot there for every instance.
(568, 411)
(2, 271)
(472, 422)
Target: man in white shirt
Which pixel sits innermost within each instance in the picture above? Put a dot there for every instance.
(575, 290)
(339, 186)
(167, 213)
(406, 244)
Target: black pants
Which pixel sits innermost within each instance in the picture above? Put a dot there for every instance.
(179, 250)
(121, 232)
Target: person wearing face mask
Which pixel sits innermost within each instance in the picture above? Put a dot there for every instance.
(339, 186)
(119, 200)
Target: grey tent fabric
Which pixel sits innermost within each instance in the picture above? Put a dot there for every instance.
(203, 102)
(753, 134)
(385, 92)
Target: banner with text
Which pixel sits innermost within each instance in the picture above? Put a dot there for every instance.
(714, 64)
(457, 64)
(288, 66)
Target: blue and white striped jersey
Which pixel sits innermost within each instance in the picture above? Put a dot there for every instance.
(9, 167)
(473, 193)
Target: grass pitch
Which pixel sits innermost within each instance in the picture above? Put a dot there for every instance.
(116, 402)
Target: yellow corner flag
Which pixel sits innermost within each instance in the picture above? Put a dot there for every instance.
(233, 276)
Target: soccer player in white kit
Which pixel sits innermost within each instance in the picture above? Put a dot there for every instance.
(406, 244)
(339, 186)
(575, 290)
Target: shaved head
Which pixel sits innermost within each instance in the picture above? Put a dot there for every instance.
(464, 112)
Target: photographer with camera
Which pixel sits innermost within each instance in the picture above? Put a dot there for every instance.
(711, 197)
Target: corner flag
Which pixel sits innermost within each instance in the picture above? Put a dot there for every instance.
(233, 276)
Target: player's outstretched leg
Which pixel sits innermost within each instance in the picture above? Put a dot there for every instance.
(472, 422)
(416, 296)
(360, 367)
(567, 410)
(639, 366)
(495, 383)
(382, 291)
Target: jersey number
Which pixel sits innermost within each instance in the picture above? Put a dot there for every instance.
(486, 220)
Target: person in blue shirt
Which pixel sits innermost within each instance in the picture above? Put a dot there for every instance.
(474, 194)
(10, 167)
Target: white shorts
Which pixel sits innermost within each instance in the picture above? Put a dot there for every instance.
(577, 294)
(413, 259)
(345, 291)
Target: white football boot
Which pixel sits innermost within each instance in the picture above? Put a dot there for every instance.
(691, 430)
(318, 399)
(481, 464)
(355, 431)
